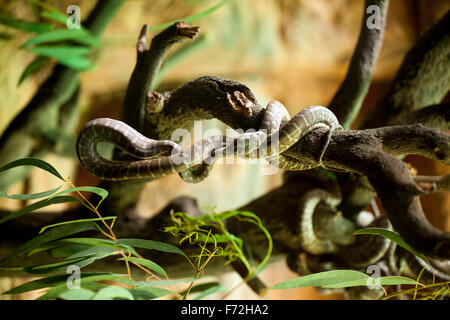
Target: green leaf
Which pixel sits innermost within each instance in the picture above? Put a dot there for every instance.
(100, 243)
(147, 264)
(210, 291)
(31, 196)
(373, 282)
(161, 283)
(38, 205)
(75, 221)
(326, 278)
(113, 292)
(45, 247)
(55, 16)
(32, 162)
(70, 56)
(24, 25)
(54, 292)
(33, 67)
(394, 237)
(149, 293)
(99, 191)
(47, 282)
(60, 266)
(200, 287)
(98, 252)
(77, 35)
(77, 294)
(150, 244)
(50, 235)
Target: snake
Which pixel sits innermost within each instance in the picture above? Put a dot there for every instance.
(158, 158)
(322, 229)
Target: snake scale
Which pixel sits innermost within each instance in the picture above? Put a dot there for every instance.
(157, 158)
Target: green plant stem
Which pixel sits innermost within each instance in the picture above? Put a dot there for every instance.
(416, 289)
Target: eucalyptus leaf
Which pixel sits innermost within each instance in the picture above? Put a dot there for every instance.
(77, 294)
(370, 281)
(60, 266)
(77, 35)
(147, 264)
(33, 67)
(32, 162)
(47, 282)
(76, 221)
(394, 237)
(98, 191)
(113, 292)
(70, 56)
(38, 205)
(210, 291)
(30, 196)
(150, 244)
(326, 278)
(50, 235)
(54, 292)
(149, 293)
(24, 25)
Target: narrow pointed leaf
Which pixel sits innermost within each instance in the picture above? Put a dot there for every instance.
(55, 16)
(77, 294)
(60, 266)
(150, 244)
(30, 196)
(394, 237)
(326, 278)
(33, 67)
(32, 162)
(149, 293)
(47, 282)
(210, 291)
(147, 264)
(38, 205)
(50, 235)
(24, 25)
(54, 292)
(113, 292)
(75, 221)
(77, 35)
(70, 56)
(395, 280)
(98, 191)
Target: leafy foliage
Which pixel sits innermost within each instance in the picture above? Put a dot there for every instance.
(51, 43)
(72, 252)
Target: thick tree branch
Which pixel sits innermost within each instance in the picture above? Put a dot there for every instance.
(349, 98)
(436, 116)
(422, 80)
(147, 66)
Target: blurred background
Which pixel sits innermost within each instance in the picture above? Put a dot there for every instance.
(294, 51)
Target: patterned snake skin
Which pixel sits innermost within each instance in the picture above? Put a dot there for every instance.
(159, 158)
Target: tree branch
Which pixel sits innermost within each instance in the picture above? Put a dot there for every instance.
(422, 80)
(147, 66)
(436, 116)
(348, 100)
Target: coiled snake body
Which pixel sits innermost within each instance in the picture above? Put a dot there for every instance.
(157, 158)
